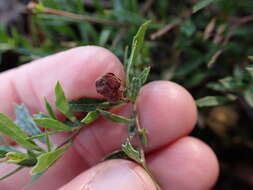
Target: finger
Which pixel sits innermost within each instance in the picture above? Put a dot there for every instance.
(186, 164)
(76, 69)
(113, 174)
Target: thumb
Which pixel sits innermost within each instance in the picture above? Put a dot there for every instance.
(113, 174)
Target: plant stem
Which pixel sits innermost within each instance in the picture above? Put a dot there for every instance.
(11, 173)
(46, 10)
(69, 139)
(142, 152)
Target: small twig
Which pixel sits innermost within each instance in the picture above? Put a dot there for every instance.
(239, 21)
(42, 135)
(69, 139)
(166, 29)
(219, 52)
(11, 173)
(74, 16)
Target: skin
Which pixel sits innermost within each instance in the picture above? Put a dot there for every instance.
(166, 110)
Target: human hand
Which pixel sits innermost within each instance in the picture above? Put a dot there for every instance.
(166, 110)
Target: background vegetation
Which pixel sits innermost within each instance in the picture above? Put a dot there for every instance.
(207, 52)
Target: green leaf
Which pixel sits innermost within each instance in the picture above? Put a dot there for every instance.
(5, 149)
(49, 109)
(113, 117)
(11, 125)
(40, 115)
(15, 157)
(144, 75)
(136, 47)
(88, 105)
(131, 152)
(251, 58)
(50, 123)
(90, 117)
(209, 101)
(33, 180)
(188, 27)
(47, 159)
(134, 89)
(249, 69)
(62, 103)
(202, 4)
(230, 83)
(248, 96)
(10, 129)
(126, 57)
(25, 121)
(143, 136)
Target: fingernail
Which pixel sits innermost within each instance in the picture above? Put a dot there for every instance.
(112, 175)
(123, 176)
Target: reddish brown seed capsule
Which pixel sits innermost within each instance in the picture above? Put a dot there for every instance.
(109, 87)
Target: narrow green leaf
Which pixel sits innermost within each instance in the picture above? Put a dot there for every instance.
(62, 103)
(216, 86)
(188, 27)
(49, 109)
(42, 135)
(15, 157)
(33, 180)
(113, 117)
(144, 75)
(143, 136)
(90, 117)
(10, 129)
(11, 125)
(136, 47)
(135, 88)
(202, 4)
(249, 69)
(50, 123)
(48, 143)
(209, 101)
(88, 105)
(248, 96)
(251, 58)
(40, 115)
(5, 149)
(126, 57)
(25, 121)
(231, 83)
(47, 159)
(131, 152)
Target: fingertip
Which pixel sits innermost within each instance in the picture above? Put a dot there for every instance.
(167, 111)
(186, 164)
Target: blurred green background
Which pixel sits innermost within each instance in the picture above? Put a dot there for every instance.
(207, 52)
